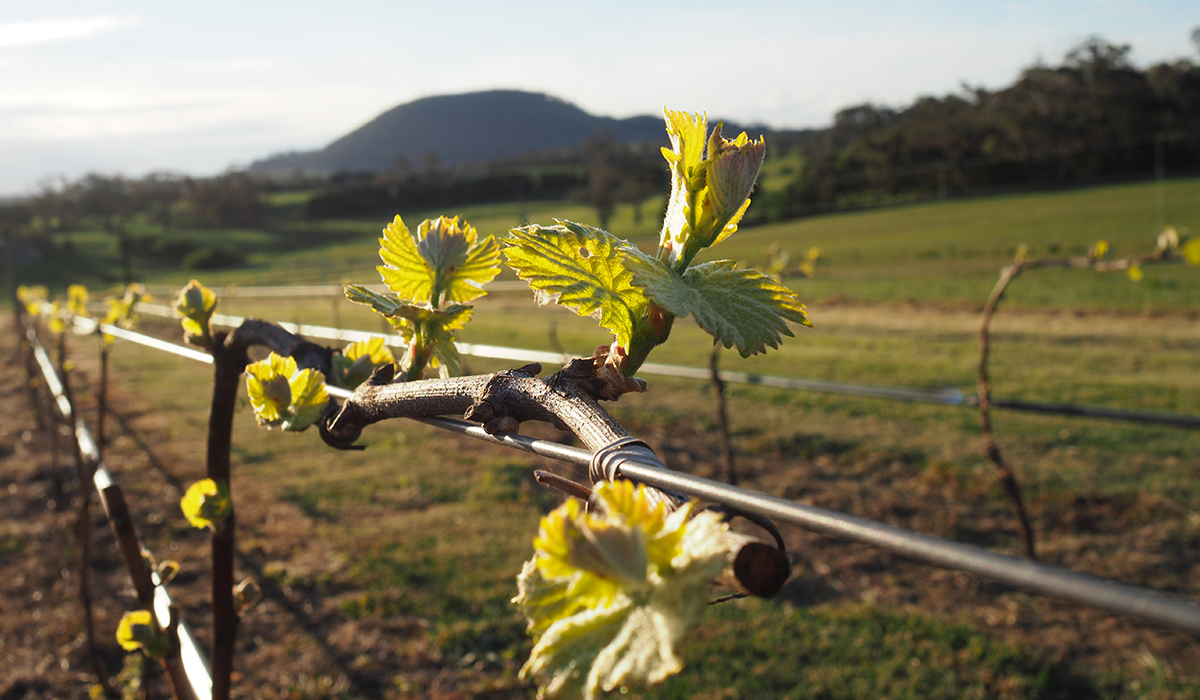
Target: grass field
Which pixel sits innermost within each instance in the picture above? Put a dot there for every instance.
(940, 253)
(406, 553)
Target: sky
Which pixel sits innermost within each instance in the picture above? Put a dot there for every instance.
(197, 88)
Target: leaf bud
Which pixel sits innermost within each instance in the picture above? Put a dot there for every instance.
(207, 503)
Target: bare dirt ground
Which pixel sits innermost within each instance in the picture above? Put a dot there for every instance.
(297, 644)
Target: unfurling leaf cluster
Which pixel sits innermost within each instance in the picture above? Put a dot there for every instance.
(711, 181)
(354, 364)
(637, 296)
(58, 312)
(432, 273)
(283, 395)
(139, 630)
(207, 503)
(77, 299)
(195, 305)
(33, 298)
(611, 594)
(121, 310)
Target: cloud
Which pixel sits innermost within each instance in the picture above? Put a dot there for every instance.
(48, 30)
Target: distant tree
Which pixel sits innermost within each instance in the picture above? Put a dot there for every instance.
(231, 199)
(1096, 115)
(113, 203)
(157, 195)
(14, 223)
(602, 156)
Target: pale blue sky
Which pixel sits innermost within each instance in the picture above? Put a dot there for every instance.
(132, 86)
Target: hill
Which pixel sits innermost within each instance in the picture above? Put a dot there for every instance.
(452, 129)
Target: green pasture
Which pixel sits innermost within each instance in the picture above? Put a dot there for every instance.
(946, 253)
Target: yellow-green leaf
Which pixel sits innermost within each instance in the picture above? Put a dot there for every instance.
(404, 316)
(283, 395)
(446, 359)
(742, 308)
(139, 630)
(196, 304)
(1191, 251)
(120, 311)
(77, 298)
(580, 267)
(611, 594)
(1168, 239)
(207, 503)
(404, 270)
(711, 181)
(32, 297)
(357, 361)
(446, 261)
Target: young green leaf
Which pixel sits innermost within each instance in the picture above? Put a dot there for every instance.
(402, 315)
(207, 503)
(77, 298)
(404, 270)
(580, 267)
(436, 322)
(196, 304)
(283, 395)
(120, 311)
(739, 307)
(139, 630)
(711, 181)
(611, 594)
(446, 359)
(32, 298)
(385, 304)
(1191, 251)
(429, 332)
(446, 261)
(357, 361)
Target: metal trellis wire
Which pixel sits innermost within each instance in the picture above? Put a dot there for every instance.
(946, 397)
(195, 667)
(1022, 574)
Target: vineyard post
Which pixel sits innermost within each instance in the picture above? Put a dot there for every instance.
(1004, 473)
(10, 275)
(135, 558)
(229, 353)
(722, 415)
(83, 523)
(229, 361)
(102, 399)
(1168, 245)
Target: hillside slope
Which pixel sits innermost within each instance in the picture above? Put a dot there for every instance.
(462, 128)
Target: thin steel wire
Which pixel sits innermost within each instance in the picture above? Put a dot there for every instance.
(195, 667)
(1022, 574)
(946, 397)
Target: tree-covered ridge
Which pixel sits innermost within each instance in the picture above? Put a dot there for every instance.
(1095, 116)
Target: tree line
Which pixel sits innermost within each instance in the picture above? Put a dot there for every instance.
(142, 215)
(1094, 117)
